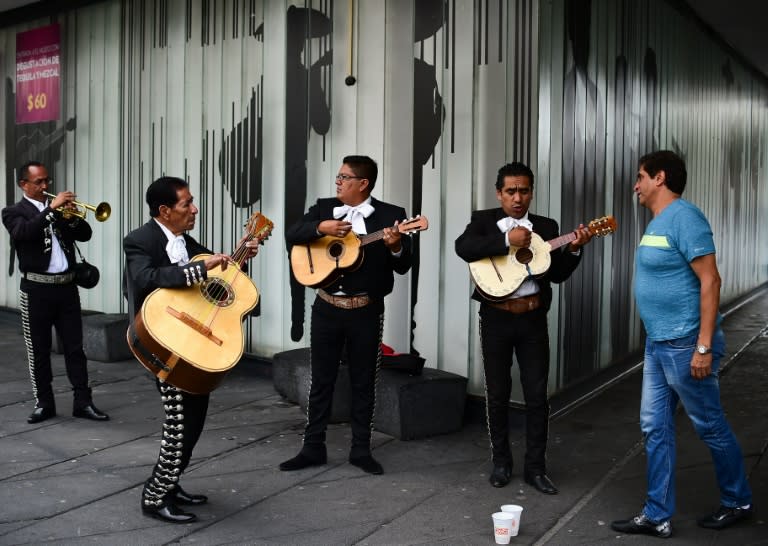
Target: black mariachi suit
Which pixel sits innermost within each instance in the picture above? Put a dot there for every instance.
(45, 305)
(359, 329)
(503, 333)
(148, 267)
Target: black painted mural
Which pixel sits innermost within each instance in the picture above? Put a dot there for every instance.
(307, 110)
(428, 115)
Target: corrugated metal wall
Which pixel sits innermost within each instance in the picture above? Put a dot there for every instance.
(628, 77)
(247, 99)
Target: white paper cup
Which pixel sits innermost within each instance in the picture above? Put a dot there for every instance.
(514, 510)
(504, 526)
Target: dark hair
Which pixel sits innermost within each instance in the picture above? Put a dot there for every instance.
(24, 170)
(163, 192)
(364, 167)
(673, 166)
(513, 169)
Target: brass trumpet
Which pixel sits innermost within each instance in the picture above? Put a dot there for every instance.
(101, 211)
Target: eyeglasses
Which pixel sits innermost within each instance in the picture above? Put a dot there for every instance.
(40, 181)
(345, 177)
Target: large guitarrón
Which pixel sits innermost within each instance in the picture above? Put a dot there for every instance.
(191, 337)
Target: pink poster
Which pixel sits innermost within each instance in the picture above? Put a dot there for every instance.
(37, 75)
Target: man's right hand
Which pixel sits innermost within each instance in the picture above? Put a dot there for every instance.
(63, 198)
(216, 260)
(337, 228)
(519, 236)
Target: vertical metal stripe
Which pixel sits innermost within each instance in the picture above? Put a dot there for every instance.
(453, 76)
(479, 31)
(527, 44)
(487, 31)
(447, 60)
(501, 31)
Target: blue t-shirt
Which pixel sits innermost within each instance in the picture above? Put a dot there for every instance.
(667, 289)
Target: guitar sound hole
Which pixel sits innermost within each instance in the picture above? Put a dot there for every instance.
(524, 255)
(217, 292)
(335, 250)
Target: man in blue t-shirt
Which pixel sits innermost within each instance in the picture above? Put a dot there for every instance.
(677, 289)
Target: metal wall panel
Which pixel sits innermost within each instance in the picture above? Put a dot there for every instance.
(247, 100)
(640, 76)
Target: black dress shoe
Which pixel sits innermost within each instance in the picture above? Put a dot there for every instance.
(725, 516)
(302, 461)
(500, 475)
(41, 414)
(542, 483)
(367, 464)
(90, 412)
(170, 513)
(182, 497)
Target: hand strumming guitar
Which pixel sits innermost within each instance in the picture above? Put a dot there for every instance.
(519, 237)
(335, 228)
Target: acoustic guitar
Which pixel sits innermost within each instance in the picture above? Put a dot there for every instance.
(496, 277)
(192, 336)
(320, 262)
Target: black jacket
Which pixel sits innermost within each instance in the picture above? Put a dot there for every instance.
(375, 275)
(29, 234)
(482, 238)
(148, 267)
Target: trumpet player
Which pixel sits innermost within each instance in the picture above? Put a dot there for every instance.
(43, 235)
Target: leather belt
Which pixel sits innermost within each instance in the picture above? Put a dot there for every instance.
(518, 305)
(344, 302)
(50, 278)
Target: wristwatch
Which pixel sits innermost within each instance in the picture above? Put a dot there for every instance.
(703, 349)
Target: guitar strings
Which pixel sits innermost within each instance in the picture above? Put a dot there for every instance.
(238, 257)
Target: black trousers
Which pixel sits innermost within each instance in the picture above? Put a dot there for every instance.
(184, 421)
(333, 329)
(504, 334)
(44, 306)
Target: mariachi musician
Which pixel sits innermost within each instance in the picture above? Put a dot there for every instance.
(44, 234)
(517, 325)
(158, 256)
(349, 312)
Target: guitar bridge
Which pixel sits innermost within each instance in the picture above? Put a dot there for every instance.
(195, 324)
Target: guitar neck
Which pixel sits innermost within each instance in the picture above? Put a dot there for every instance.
(557, 242)
(372, 237)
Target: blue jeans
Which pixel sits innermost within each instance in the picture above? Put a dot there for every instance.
(666, 380)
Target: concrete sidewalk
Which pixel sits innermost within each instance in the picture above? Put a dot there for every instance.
(72, 481)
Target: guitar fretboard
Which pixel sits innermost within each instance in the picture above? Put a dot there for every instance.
(557, 242)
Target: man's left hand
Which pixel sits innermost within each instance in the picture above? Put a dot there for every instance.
(583, 236)
(701, 365)
(252, 246)
(392, 239)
